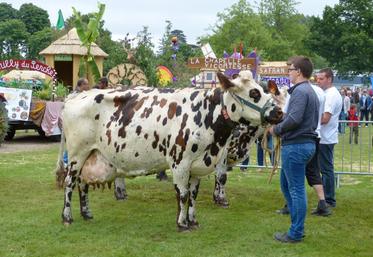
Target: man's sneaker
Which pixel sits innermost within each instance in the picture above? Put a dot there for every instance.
(283, 211)
(284, 238)
(322, 212)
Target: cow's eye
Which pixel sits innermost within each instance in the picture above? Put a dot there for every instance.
(234, 76)
(255, 94)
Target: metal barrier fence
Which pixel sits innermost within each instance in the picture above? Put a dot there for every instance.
(352, 155)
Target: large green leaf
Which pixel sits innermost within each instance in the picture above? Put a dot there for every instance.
(94, 69)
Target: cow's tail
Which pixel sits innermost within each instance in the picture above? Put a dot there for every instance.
(61, 170)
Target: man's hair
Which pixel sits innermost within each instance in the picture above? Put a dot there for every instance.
(328, 73)
(302, 63)
(80, 82)
(104, 80)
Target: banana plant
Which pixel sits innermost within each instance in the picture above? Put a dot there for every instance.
(88, 33)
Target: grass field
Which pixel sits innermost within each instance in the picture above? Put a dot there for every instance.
(144, 225)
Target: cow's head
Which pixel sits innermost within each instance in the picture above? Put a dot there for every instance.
(252, 103)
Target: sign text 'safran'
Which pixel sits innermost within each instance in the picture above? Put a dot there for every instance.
(221, 63)
(274, 71)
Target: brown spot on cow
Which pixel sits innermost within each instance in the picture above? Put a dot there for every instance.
(123, 146)
(146, 135)
(97, 116)
(158, 118)
(136, 154)
(171, 110)
(108, 134)
(163, 102)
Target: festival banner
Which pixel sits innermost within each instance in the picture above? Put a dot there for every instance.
(280, 81)
(17, 102)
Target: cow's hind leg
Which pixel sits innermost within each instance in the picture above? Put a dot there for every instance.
(83, 197)
(193, 192)
(120, 192)
(182, 195)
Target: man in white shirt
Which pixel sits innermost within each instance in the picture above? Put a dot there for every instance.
(329, 132)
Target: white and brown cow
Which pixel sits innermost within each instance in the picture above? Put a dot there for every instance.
(144, 130)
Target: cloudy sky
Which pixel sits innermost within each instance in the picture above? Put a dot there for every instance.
(194, 17)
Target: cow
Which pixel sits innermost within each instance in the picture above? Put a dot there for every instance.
(242, 139)
(145, 130)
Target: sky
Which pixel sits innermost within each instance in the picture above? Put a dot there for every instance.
(193, 17)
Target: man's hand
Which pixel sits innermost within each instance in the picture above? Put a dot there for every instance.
(270, 130)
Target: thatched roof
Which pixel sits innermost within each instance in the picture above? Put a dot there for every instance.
(71, 44)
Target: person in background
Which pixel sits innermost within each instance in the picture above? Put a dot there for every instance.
(329, 132)
(82, 85)
(103, 83)
(354, 126)
(343, 114)
(365, 104)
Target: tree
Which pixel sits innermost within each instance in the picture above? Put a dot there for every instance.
(238, 24)
(7, 12)
(287, 27)
(114, 49)
(145, 57)
(35, 18)
(344, 36)
(38, 41)
(13, 38)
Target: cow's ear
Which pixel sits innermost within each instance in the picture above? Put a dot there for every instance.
(272, 88)
(224, 81)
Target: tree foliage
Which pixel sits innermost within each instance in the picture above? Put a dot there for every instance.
(39, 41)
(344, 36)
(7, 12)
(35, 18)
(13, 38)
(238, 24)
(145, 57)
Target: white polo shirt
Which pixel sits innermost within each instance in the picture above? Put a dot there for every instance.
(333, 105)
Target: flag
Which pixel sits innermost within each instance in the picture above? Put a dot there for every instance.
(60, 22)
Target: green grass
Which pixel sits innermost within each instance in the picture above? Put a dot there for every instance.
(144, 225)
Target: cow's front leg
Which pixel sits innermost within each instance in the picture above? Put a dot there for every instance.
(220, 180)
(181, 180)
(83, 197)
(193, 192)
(120, 192)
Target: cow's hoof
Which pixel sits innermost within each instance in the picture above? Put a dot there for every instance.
(87, 216)
(67, 221)
(223, 203)
(193, 224)
(183, 229)
(121, 197)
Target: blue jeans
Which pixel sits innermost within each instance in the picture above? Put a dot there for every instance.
(342, 125)
(294, 160)
(260, 151)
(327, 170)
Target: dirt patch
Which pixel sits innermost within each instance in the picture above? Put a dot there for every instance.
(27, 143)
